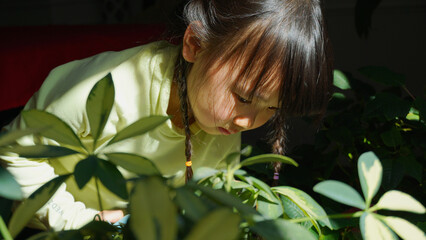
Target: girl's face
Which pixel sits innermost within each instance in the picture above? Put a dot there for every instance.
(221, 103)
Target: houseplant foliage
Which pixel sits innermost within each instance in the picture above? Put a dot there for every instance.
(216, 204)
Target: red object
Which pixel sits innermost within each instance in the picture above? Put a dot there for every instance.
(28, 54)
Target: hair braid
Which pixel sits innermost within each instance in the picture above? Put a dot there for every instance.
(278, 145)
(180, 77)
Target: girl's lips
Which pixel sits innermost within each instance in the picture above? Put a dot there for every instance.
(224, 131)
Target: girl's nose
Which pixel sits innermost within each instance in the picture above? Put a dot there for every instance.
(244, 121)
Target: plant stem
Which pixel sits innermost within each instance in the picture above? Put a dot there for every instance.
(345, 215)
(408, 92)
(4, 231)
(99, 194)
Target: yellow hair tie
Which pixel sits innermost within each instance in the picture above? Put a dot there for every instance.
(188, 163)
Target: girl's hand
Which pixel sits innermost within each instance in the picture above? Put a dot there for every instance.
(111, 216)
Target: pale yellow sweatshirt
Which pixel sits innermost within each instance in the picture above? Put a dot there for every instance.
(142, 78)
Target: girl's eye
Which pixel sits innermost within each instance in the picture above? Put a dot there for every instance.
(273, 108)
(243, 100)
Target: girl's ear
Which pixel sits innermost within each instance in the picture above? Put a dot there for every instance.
(191, 44)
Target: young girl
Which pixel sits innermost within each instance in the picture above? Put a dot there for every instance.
(241, 64)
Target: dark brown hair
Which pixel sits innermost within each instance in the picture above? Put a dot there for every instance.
(269, 40)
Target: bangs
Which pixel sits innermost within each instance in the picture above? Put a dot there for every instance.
(264, 56)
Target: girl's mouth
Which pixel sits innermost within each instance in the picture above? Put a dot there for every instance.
(224, 131)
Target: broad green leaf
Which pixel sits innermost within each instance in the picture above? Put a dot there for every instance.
(281, 229)
(399, 201)
(133, 163)
(9, 189)
(7, 138)
(340, 192)
(404, 228)
(193, 206)
(392, 137)
(305, 202)
(218, 224)
(139, 127)
(293, 211)
(40, 151)
(383, 75)
(393, 172)
(373, 229)
(30, 206)
(85, 170)
(225, 199)
(241, 185)
(340, 80)
(370, 175)
(265, 158)
(153, 214)
(387, 105)
(52, 127)
(203, 173)
(99, 104)
(111, 178)
(272, 208)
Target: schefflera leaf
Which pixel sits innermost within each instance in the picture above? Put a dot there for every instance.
(153, 214)
(265, 158)
(340, 80)
(399, 201)
(218, 224)
(340, 192)
(9, 189)
(370, 175)
(374, 229)
(99, 104)
(404, 228)
(51, 127)
(133, 163)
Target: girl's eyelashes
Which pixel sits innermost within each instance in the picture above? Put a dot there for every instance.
(272, 108)
(242, 100)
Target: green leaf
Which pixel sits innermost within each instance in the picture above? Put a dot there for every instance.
(193, 206)
(139, 127)
(399, 201)
(265, 158)
(52, 127)
(40, 151)
(85, 170)
(305, 202)
(370, 175)
(388, 106)
(383, 75)
(293, 211)
(271, 208)
(99, 104)
(153, 214)
(340, 192)
(393, 172)
(392, 137)
(133, 163)
(7, 138)
(9, 189)
(404, 229)
(373, 229)
(420, 104)
(111, 178)
(30, 206)
(218, 224)
(340, 80)
(203, 173)
(281, 229)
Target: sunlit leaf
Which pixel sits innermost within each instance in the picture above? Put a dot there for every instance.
(305, 202)
(193, 206)
(40, 151)
(340, 80)
(399, 201)
(265, 158)
(153, 214)
(293, 211)
(404, 228)
(340, 192)
(85, 170)
(133, 163)
(52, 127)
(370, 175)
(373, 229)
(139, 127)
(30, 206)
(9, 189)
(7, 138)
(281, 229)
(203, 172)
(271, 208)
(99, 104)
(383, 75)
(218, 224)
(111, 178)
